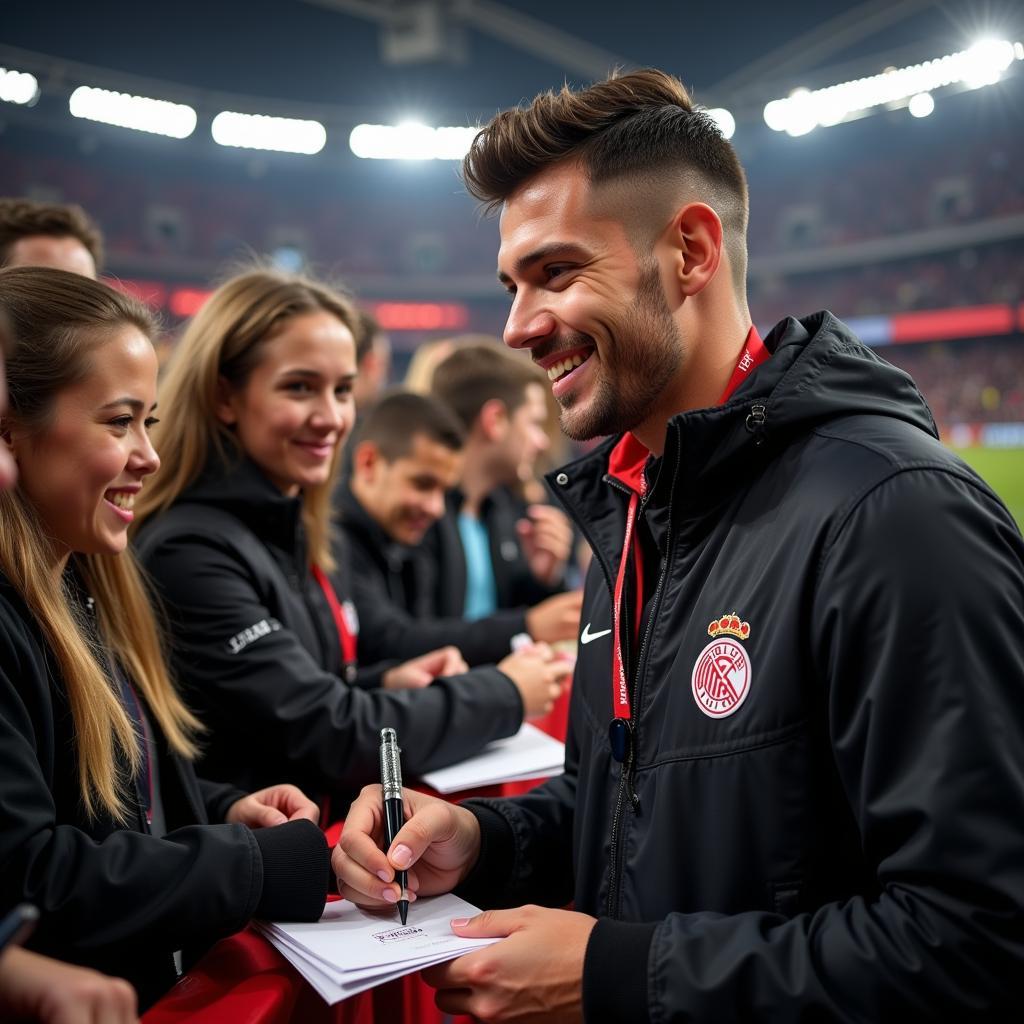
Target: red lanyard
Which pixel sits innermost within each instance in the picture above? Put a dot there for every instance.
(627, 466)
(345, 633)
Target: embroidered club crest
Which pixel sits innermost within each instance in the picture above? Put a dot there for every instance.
(722, 673)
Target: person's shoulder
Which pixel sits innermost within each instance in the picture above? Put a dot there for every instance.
(19, 632)
(186, 525)
(13, 609)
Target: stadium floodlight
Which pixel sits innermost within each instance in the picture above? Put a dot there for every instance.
(804, 110)
(160, 117)
(921, 105)
(261, 131)
(410, 141)
(18, 87)
(724, 119)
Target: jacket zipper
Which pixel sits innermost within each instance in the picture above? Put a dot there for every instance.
(624, 769)
(628, 773)
(755, 422)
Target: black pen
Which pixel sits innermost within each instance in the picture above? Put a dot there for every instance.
(394, 811)
(17, 926)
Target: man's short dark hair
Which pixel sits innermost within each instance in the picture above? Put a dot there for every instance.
(25, 218)
(475, 374)
(630, 128)
(401, 416)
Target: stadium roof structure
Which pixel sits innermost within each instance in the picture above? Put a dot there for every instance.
(457, 61)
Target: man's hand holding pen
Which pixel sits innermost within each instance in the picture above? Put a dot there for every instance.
(536, 974)
(441, 839)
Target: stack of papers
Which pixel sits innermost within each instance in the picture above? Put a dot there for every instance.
(350, 949)
(530, 754)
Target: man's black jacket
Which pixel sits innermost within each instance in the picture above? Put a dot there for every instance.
(848, 843)
(514, 582)
(398, 591)
(255, 646)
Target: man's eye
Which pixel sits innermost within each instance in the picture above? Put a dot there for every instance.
(554, 270)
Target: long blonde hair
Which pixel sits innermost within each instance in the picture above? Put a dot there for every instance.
(59, 321)
(225, 340)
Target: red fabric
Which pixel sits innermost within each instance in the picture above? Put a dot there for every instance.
(244, 980)
(753, 355)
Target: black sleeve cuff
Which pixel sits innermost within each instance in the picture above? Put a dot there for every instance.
(218, 799)
(371, 677)
(615, 971)
(296, 869)
(493, 868)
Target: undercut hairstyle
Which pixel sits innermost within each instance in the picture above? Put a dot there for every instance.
(477, 373)
(640, 129)
(401, 416)
(25, 218)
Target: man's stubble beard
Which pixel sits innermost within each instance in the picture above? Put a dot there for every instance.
(648, 353)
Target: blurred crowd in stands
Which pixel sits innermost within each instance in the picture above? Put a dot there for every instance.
(938, 221)
(967, 382)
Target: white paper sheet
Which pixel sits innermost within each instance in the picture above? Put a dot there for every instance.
(529, 754)
(349, 949)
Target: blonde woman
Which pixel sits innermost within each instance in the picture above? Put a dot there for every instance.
(236, 535)
(103, 823)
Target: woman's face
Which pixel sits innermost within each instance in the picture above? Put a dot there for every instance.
(84, 469)
(296, 406)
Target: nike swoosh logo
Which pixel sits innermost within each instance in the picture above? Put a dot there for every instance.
(586, 636)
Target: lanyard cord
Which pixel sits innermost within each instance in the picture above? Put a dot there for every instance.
(345, 635)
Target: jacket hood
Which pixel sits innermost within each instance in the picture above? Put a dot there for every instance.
(818, 371)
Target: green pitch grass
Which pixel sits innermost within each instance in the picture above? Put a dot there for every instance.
(1003, 470)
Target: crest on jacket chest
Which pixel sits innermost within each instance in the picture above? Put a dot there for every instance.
(723, 672)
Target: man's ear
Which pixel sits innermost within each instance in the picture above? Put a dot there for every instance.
(224, 403)
(696, 236)
(493, 420)
(366, 458)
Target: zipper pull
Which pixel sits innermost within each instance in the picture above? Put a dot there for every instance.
(630, 788)
(756, 423)
(633, 798)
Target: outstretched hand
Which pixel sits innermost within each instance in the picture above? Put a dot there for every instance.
(273, 806)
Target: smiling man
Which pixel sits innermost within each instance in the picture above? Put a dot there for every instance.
(794, 779)
(408, 592)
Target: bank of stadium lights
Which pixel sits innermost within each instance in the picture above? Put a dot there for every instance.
(410, 141)
(260, 131)
(803, 110)
(160, 117)
(18, 87)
